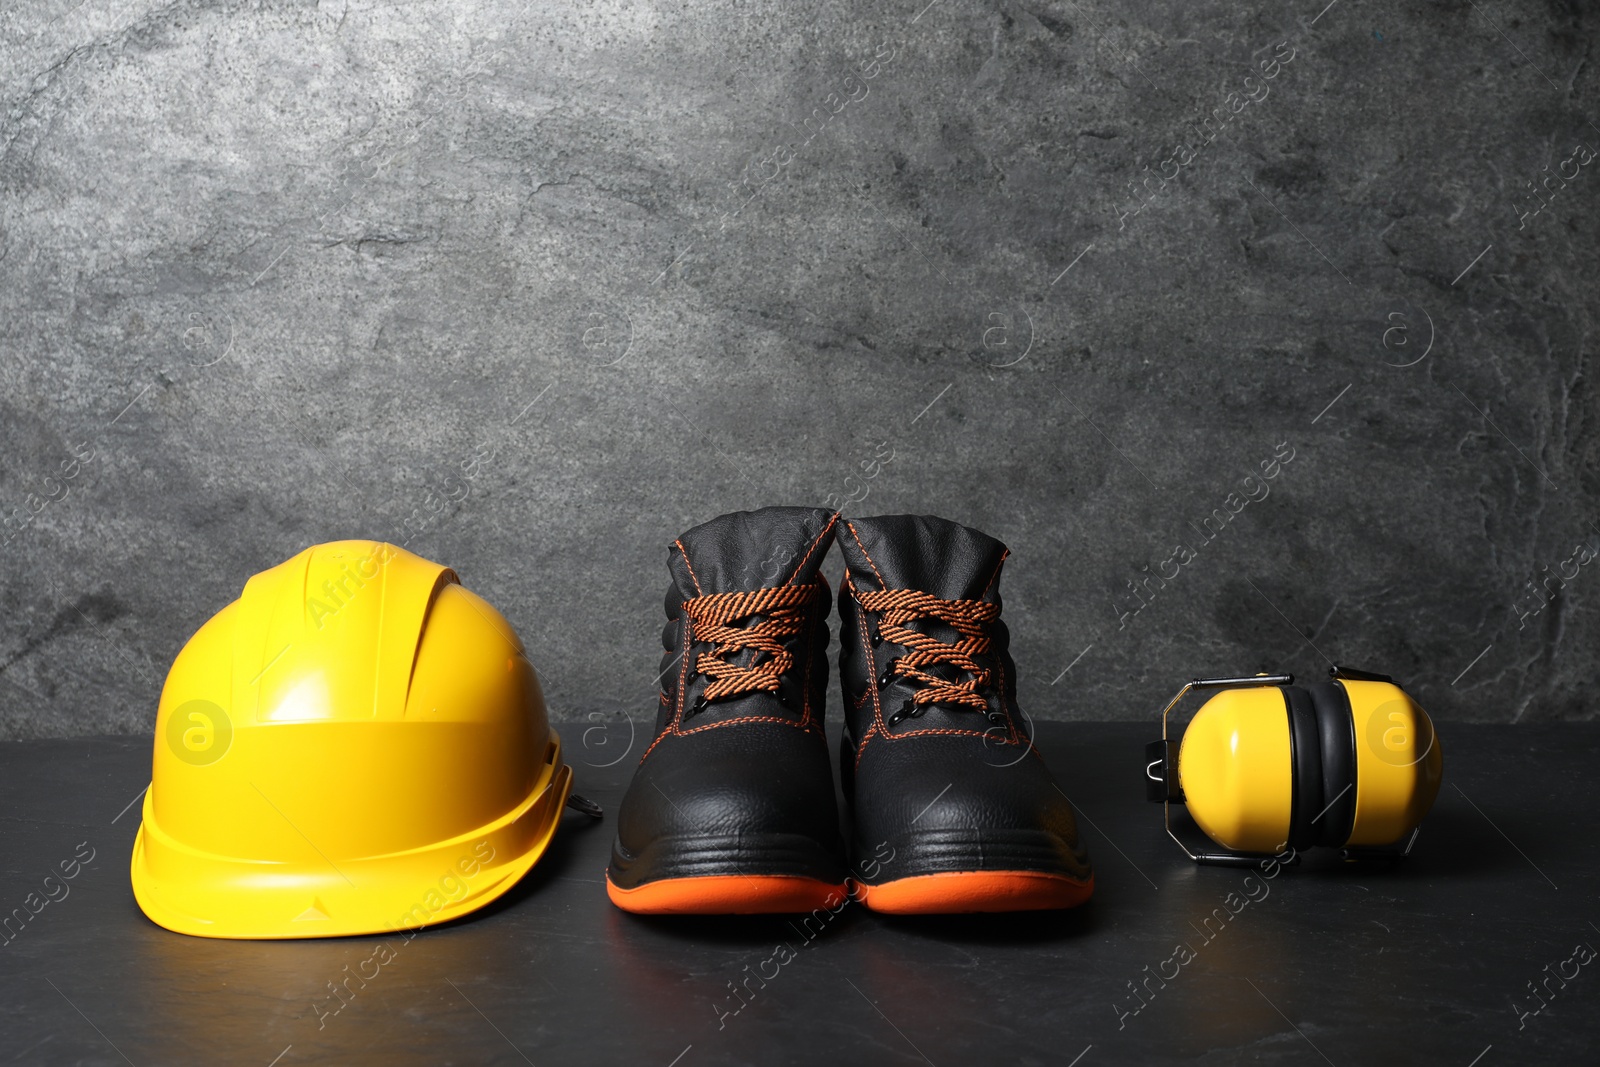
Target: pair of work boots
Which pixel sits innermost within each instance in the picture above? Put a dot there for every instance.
(732, 809)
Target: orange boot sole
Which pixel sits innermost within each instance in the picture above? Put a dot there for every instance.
(729, 894)
(955, 892)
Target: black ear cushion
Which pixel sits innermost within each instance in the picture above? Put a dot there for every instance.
(1337, 731)
(1305, 749)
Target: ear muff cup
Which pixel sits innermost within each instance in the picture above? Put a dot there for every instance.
(1305, 748)
(1335, 818)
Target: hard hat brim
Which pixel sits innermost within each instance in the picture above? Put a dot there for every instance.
(206, 895)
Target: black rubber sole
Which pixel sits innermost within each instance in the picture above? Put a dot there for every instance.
(787, 855)
(945, 851)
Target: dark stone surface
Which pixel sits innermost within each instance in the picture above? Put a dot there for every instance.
(533, 288)
(1425, 963)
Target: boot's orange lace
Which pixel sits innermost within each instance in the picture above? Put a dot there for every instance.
(970, 618)
(721, 620)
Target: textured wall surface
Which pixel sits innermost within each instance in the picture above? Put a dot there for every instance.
(530, 290)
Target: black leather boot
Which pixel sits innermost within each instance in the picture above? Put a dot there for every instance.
(953, 807)
(731, 809)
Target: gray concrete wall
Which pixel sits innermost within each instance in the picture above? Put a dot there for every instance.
(532, 289)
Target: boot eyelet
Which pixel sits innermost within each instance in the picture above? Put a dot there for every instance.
(877, 638)
(888, 673)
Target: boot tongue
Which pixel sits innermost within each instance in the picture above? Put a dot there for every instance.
(751, 550)
(922, 552)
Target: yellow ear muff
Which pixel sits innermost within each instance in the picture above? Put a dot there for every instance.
(1236, 772)
(1398, 763)
(1266, 767)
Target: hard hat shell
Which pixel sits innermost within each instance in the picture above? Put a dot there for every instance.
(356, 745)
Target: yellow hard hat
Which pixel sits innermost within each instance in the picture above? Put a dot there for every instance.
(356, 745)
